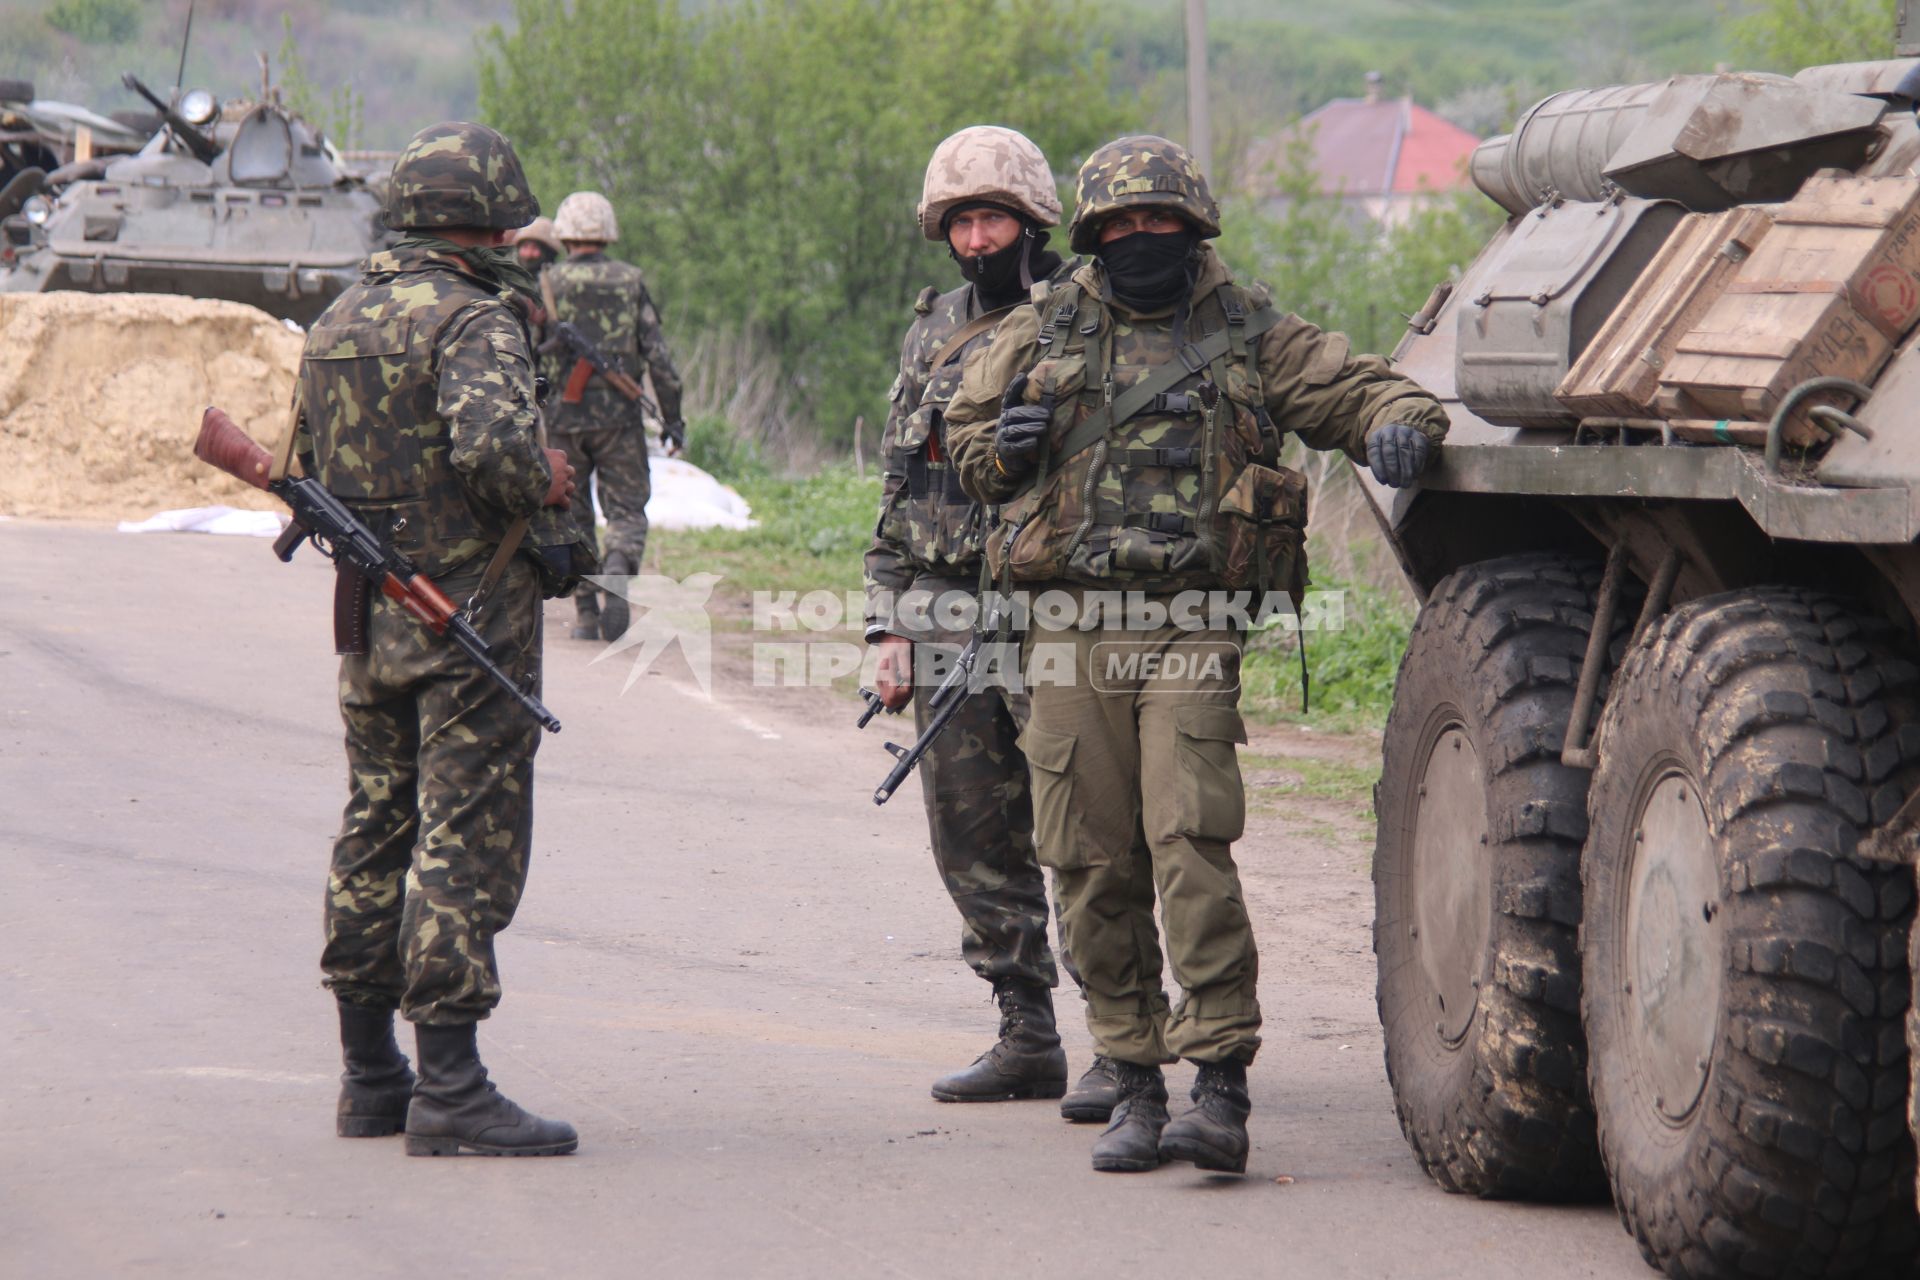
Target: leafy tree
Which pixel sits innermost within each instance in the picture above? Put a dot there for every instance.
(1786, 35)
(765, 157)
(341, 116)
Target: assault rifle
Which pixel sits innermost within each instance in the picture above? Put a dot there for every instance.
(325, 521)
(588, 360)
(942, 705)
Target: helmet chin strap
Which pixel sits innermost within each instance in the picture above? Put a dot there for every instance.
(1026, 258)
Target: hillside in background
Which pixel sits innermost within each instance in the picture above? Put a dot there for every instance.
(412, 61)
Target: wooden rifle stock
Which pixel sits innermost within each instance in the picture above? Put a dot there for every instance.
(223, 444)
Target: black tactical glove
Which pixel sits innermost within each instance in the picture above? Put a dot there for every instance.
(674, 436)
(1397, 454)
(1022, 432)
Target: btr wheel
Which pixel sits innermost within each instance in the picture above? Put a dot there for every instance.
(1745, 972)
(1476, 884)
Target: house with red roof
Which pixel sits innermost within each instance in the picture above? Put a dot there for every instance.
(1386, 157)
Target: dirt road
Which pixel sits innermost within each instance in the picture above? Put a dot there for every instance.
(731, 972)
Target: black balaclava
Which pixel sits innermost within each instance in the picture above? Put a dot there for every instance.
(1151, 272)
(1004, 277)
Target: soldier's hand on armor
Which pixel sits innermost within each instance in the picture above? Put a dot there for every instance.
(1397, 454)
(560, 492)
(893, 673)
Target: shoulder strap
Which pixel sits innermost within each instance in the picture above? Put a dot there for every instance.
(1054, 329)
(971, 329)
(1190, 359)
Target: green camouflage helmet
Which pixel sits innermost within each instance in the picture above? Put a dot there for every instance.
(1140, 170)
(459, 174)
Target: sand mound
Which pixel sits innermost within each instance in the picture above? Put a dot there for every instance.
(101, 396)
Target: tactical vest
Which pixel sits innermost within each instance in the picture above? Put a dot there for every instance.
(1179, 490)
(942, 529)
(369, 387)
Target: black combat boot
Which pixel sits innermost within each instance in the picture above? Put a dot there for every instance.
(1027, 1060)
(1214, 1133)
(614, 615)
(456, 1108)
(375, 1087)
(1092, 1100)
(586, 626)
(1131, 1140)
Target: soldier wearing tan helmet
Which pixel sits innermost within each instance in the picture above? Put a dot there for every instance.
(537, 246)
(990, 197)
(1129, 424)
(601, 430)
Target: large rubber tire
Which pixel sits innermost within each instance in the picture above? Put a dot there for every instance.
(1746, 973)
(1477, 883)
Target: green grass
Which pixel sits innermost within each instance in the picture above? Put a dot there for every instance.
(813, 532)
(1351, 670)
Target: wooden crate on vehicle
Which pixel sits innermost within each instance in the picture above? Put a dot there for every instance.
(1830, 290)
(1619, 373)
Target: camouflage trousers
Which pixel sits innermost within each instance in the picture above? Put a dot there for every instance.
(980, 819)
(432, 852)
(617, 455)
(1137, 792)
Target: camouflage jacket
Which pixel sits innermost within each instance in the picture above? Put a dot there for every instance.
(607, 300)
(1188, 492)
(417, 411)
(928, 526)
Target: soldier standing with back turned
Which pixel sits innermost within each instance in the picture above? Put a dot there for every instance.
(1130, 422)
(600, 429)
(418, 413)
(989, 194)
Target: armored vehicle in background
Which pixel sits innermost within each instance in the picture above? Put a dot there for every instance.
(1644, 885)
(248, 203)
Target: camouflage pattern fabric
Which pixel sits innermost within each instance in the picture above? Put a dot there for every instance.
(1139, 170)
(1182, 496)
(419, 414)
(618, 456)
(459, 174)
(432, 853)
(973, 779)
(607, 300)
(980, 815)
(1137, 789)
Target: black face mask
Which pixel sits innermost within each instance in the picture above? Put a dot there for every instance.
(1150, 272)
(1004, 276)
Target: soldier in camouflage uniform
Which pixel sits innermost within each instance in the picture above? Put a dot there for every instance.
(989, 195)
(1130, 424)
(601, 430)
(418, 412)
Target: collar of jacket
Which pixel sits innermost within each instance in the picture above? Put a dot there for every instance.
(1213, 273)
(410, 258)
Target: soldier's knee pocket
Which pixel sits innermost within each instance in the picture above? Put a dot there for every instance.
(1059, 828)
(1209, 802)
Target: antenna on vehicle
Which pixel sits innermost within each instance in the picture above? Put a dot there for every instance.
(180, 76)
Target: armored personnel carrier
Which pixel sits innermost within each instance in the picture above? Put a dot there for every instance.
(1644, 884)
(246, 202)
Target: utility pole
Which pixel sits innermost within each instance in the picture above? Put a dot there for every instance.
(1199, 115)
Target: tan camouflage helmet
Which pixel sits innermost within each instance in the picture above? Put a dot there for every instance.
(1140, 170)
(586, 216)
(987, 162)
(459, 174)
(540, 231)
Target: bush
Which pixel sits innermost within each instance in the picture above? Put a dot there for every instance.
(96, 21)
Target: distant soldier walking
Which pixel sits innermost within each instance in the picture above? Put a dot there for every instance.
(1130, 423)
(419, 415)
(989, 195)
(600, 429)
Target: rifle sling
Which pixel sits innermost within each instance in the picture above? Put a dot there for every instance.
(952, 347)
(1190, 359)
